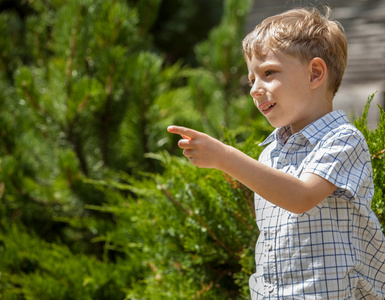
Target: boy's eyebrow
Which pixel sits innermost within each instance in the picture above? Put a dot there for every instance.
(267, 65)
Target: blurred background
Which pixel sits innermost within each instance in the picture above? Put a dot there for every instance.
(96, 200)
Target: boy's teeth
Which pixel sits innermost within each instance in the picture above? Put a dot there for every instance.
(267, 107)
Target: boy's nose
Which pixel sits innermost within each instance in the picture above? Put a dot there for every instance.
(257, 90)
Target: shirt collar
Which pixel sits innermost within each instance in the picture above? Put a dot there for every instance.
(279, 134)
(313, 132)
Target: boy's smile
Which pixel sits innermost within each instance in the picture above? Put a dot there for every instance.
(282, 90)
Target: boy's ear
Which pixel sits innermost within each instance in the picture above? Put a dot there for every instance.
(317, 71)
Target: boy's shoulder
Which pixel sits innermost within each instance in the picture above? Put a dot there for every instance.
(333, 125)
(330, 136)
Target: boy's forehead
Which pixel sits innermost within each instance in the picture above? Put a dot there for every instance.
(261, 52)
(265, 56)
(273, 58)
(256, 62)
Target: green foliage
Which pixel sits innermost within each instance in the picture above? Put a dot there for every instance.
(197, 227)
(83, 99)
(376, 143)
(96, 202)
(217, 88)
(41, 270)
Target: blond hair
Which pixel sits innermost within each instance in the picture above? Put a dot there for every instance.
(303, 33)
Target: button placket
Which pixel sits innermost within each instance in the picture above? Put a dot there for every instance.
(269, 289)
(269, 246)
(285, 160)
(269, 267)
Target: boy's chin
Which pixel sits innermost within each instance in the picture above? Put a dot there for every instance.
(277, 121)
(276, 124)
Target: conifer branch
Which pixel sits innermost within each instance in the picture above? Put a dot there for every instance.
(235, 185)
(249, 198)
(176, 202)
(78, 148)
(242, 220)
(72, 136)
(203, 223)
(378, 154)
(202, 110)
(106, 116)
(32, 99)
(75, 140)
(70, 59)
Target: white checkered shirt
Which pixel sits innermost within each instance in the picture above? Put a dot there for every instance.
(336, 250)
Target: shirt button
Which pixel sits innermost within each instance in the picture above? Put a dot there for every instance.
(269, 246)
(270, 288)
(283, 162)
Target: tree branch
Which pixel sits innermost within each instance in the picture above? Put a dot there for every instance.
(191, 214)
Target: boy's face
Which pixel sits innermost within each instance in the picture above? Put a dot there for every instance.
(281, 91)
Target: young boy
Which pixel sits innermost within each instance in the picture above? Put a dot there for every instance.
(319, 238)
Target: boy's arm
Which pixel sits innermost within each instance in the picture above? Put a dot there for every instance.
(297, 195)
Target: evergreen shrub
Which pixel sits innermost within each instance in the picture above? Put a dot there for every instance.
(376, 142)
(96, 200)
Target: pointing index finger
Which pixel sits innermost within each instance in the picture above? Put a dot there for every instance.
(185, 132)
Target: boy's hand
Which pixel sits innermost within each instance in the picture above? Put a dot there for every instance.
(201, 149)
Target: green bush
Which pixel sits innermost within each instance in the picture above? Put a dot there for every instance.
(96, 202)
(376, 143)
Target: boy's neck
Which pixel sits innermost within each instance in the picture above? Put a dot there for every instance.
(322, 106)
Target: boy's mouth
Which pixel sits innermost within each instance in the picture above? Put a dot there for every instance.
(266, 107)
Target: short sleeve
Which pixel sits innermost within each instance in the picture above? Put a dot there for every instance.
(343, 159)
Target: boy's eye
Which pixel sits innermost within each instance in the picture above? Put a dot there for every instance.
(269, 72)
(251, 83)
